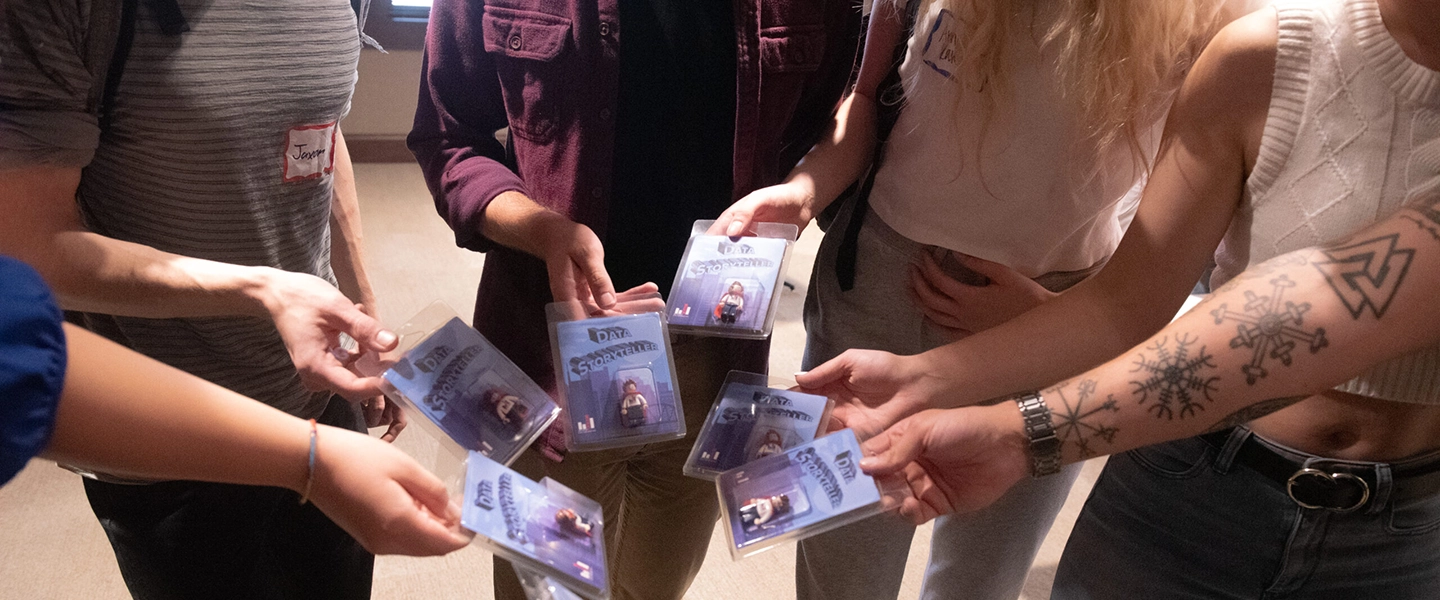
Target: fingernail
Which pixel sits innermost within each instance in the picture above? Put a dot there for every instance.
(869, 462)
(734, 229)
(385, 337)
(607, 299)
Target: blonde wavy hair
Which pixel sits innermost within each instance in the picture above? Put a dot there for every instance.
(1118, 61)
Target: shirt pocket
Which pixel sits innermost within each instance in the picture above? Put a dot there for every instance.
(528, 49)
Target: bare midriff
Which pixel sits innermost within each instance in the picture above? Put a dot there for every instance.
(1350, 427)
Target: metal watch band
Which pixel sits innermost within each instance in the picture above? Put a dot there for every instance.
(1044, 446)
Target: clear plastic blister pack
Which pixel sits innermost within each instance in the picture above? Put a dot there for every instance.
(466, 390)
(616, 377)
(540, 587)
(752, 419)
(543, 527)
(730, 286)
(805, 491)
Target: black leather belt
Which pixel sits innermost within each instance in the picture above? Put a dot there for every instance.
(1339, 487)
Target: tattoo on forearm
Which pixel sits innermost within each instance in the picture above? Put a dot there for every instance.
(1366, 274)
(1271, 327)
(1254, 411)
(1177, 381)
(1076, 423)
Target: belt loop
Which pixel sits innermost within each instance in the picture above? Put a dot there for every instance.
(1226, 457)
(1384, 484)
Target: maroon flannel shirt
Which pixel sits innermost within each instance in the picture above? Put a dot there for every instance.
(549, 70)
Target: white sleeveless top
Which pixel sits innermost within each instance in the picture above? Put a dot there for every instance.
(1011, 188)
(1352, 132)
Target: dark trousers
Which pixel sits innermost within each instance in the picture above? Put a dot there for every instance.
(187, 539)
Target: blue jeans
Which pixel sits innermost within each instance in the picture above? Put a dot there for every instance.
(1184, 520)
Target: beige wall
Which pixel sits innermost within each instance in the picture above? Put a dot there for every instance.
(384, 103)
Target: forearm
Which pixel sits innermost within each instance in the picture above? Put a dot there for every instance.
(347, 247)
(111, 418)
(1289, 328)
(841, 155)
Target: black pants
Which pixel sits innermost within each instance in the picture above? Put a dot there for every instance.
(187, 539)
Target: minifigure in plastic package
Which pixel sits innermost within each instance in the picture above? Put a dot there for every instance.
(731, 304)
(751, 421)
(470, 391)
(632, 405)
(729, 286)
(806, 490)
(617, 381)
(544, 527)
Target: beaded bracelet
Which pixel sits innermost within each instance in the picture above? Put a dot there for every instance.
(310, 478)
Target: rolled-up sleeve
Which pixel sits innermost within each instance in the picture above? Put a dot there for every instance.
(460, 109)
(32, 365)
(47, 115)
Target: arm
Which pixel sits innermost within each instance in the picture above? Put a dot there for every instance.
(843, 152)
(483, 201)
(1211, 139)
(1362, 300)
(124, 413)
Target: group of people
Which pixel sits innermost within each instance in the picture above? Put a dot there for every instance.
(1013, 192)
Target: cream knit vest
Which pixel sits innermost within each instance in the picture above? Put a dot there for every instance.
(1353, 131)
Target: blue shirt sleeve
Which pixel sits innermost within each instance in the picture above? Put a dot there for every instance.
(32, 365)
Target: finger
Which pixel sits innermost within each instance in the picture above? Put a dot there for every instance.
(398, 422)
(993, 270)
(367, 331)
(894, 449)
(941, 282)
(831, 371)
(340, 380)
(374, 409)
(928, 298)
(590, 259)
(428, 491)
(739, 222)
(933, 500)
(648, 288)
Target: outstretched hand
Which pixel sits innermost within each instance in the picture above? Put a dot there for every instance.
(872, 390)
(311, 315)
(384, 498)
(952, 461)
(992, 294)
(783, 203)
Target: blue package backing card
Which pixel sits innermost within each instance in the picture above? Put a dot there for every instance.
(551, 533)
(471, 391)
(617, 377)
(786, 494)
(752, 422)
(727, 283)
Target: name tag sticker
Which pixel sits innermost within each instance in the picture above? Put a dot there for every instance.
(309, 151)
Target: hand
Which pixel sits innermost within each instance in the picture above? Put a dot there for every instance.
(575, 261)
(783, 203)
(964, 308)
(639, 299)
(872, 390)
(310, 315)
(952, 461)
(382, 497)
(380, 412)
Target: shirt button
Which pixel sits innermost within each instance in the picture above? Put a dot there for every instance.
(515, 42)
(596, 193)
(604, 114)
(604, 29)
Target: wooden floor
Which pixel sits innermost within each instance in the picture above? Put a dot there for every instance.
(52, 546)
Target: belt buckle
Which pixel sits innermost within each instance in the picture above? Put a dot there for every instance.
(1331, 480)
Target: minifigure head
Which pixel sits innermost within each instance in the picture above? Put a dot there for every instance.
(773, 437)
(502, 403)
(566, 517)
(629, 386)
(780, 503)
(737, 288)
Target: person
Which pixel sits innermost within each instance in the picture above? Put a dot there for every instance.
(80, 399)
(772, 444)
(571, 522)
(727, 310)
(632, 405)
(626, 121)
(1238, 170)
(1006, 112)
(194, 219)
(960, 459)
(759, 511)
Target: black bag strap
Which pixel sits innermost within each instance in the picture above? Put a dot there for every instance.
(172, 22)
(887, 111)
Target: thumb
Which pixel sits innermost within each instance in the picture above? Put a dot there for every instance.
(367, 331)
(833, 370)
(893, 449)
(428, 491)
(992, 270)
(591, 263)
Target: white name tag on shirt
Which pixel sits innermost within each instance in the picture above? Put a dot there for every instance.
(309, 151)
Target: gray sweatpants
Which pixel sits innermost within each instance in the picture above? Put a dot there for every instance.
(981, 555)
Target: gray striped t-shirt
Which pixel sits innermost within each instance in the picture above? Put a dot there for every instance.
(219, 147)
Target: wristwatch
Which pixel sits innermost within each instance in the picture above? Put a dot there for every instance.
(1044, 446)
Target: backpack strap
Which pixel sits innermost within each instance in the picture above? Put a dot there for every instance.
(890, 98)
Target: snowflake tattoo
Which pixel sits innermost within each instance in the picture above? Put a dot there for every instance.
(1270, 326)
(1173, 378)
(1071, 426)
